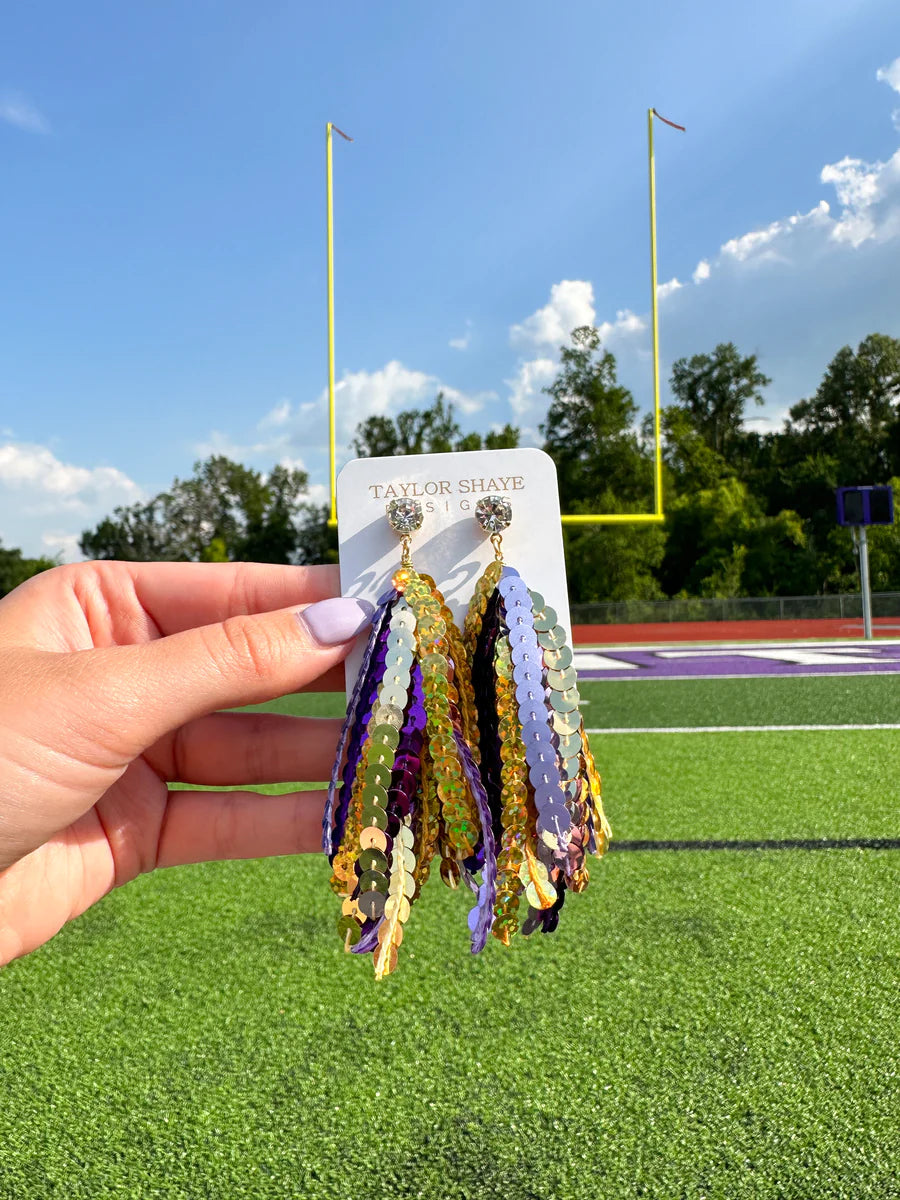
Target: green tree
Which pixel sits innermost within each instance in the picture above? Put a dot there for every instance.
(506, 438)
(317, 541)
(602, 466)
(884, 549)
(15, 568)
(848, 432)
(614, 562)
(589, 431)
(690, 462)
(851, 422)
(720, 543)
(715, 389)
(433, 430)
(224, 512)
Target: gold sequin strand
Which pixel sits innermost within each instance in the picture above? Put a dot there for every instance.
(514, 801)
(362, 862)
(602, 831)
(460, 819)
(478, 606)
(401, 890)
(455, 815)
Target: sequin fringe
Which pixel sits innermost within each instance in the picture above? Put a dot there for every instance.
(542, 785)
(406, 785)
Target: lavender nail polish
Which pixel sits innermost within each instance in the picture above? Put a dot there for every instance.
(334, 621)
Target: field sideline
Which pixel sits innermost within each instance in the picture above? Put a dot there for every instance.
(707, 1022)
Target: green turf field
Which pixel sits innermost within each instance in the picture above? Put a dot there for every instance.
(705, 1024)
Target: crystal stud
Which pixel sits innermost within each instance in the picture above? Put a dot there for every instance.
(493, 513)
(404, 515)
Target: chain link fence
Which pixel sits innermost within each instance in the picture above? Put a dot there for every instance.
(744, 608)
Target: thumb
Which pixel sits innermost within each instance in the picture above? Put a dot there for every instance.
(152, 688)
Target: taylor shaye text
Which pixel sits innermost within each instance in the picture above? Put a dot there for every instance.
(446, 487)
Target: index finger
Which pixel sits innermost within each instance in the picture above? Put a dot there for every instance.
(179, 596)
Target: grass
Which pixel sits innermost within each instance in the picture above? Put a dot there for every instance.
(781, 700)
(826, 700)
(704, 1024)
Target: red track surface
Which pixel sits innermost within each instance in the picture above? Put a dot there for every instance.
(729, 631)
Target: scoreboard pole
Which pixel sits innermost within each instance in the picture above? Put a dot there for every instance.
(864, 582)
(867, 504)
(861, 546)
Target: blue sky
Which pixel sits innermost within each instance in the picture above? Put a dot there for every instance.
(162, 217)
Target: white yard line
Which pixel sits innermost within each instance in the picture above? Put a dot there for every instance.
(737, 728)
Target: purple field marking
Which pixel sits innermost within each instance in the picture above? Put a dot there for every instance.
(739, 662)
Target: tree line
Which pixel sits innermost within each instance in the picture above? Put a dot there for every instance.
(748, 513)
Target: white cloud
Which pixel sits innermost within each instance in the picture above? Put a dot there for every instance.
(17, 111)
(868, 209)
(318, 493)
(890, 75)
(625, 324)
(389, 390)
(279, 415)
(296, 435)
(666, 289)
(571, 304)
(362, 394)
(465, 403)
(462, 343)
(63, 544)
(756, 246)
(38, 470)
(859, 186)
(526, 399)
(793, 290)
(772, 421)
(42, 497)
(855, 181)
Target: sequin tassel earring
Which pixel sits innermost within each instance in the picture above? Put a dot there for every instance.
(406, 784)
(542, 783)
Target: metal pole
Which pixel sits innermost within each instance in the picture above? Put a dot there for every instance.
(654, 310)
(332, 519)
(864, 582)
(329, 206)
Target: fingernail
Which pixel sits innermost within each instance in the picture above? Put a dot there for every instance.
(334, 621)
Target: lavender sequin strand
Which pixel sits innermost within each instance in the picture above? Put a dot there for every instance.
(481, 917)
(353, 721)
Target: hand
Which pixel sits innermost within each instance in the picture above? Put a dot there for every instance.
(111, 677)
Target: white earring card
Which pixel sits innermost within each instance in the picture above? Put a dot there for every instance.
(450, 545)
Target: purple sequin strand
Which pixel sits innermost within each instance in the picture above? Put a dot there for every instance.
(485, 688)
(367, 702)
(403, 787)
(377, 627)
(481, 917)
